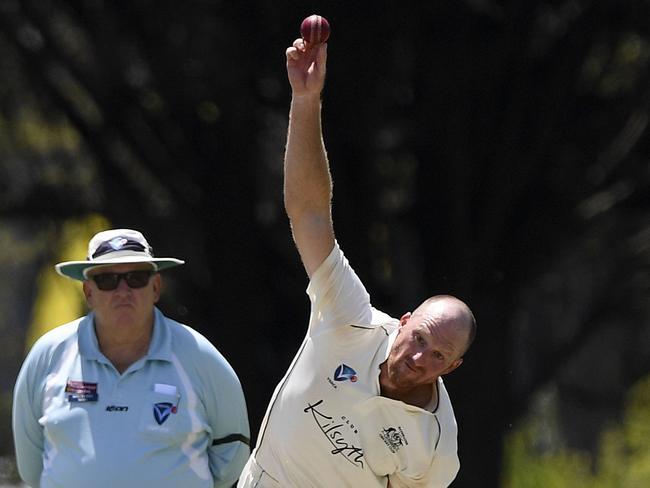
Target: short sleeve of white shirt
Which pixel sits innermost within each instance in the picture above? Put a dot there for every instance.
(337, 295)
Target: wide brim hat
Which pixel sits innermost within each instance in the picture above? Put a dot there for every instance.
(115, 246)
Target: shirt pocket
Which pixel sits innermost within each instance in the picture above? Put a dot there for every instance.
(163, 418)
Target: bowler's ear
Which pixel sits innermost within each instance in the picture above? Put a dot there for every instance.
(453, 366)
(405, 318)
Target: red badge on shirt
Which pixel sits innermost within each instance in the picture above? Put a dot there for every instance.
(81, 391)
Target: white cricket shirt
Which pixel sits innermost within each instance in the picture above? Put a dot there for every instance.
(327, 425)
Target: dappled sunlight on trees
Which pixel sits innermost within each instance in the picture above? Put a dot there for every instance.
(494, 150)
(536, 456)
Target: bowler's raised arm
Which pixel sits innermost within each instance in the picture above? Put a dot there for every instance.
(307, 180)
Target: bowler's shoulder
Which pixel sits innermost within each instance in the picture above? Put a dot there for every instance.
(382, 319)
(379, 322)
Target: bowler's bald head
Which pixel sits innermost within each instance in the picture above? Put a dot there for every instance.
(455, 313)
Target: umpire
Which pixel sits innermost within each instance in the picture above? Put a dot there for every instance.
(126, 396)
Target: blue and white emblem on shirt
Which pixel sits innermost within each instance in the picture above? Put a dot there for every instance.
(161, 411)
(344, 372)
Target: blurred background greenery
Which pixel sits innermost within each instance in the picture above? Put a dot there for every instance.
(494, 150)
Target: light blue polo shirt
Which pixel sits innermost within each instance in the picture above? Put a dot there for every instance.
(175, 418)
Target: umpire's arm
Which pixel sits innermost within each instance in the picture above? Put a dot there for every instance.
(28, 433)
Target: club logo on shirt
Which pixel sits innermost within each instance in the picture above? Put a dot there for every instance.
(162, 410)
(393, 438)
(344, 372)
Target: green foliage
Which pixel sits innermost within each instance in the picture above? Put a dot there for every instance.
(527, 467)
(625, 451)
(623, 459)
(60, 300)
(28, 131)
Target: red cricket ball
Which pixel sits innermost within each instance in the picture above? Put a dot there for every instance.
(315, 29)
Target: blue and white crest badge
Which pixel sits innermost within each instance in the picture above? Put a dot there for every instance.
(161, 411)
(344, 372)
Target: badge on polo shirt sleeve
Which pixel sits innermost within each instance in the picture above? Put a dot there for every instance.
(81, 391)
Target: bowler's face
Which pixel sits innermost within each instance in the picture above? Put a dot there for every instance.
(123, 307)
(427, 346)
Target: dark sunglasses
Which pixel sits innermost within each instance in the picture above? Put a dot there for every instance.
(109, 281)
